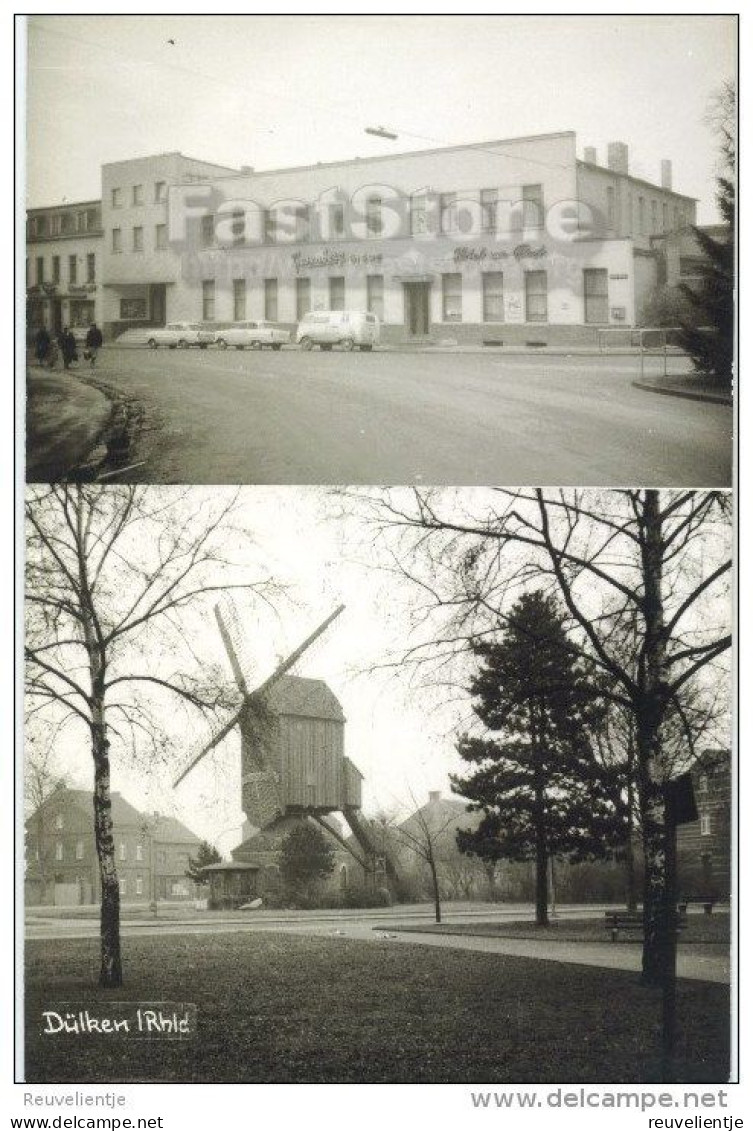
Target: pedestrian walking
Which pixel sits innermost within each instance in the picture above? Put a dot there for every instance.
(67, 344)
(42, 341)
(93, 344)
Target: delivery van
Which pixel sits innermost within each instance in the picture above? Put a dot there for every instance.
(349, 329)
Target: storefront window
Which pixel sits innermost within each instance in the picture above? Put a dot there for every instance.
(494, 304)
(239, 299)
(81, 313)
(302, 298)
(207, 300)
(375, 295)
(337, 293)
(270, 300)
(536, 297)
(132, 309)
(452, 297)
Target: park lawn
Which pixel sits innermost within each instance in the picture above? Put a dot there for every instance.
(701, 930)
(288, 1008)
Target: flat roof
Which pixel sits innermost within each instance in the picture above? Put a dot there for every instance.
(405, 153)
(64, 207)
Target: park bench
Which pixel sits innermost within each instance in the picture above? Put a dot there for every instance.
(707, 901)
(616, 921)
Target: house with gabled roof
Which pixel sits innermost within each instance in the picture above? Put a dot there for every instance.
(62, 869)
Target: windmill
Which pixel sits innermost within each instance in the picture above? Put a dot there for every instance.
(292, 747)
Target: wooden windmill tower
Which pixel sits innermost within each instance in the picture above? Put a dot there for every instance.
(292, 748)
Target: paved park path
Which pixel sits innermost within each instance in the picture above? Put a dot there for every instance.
(708, 963)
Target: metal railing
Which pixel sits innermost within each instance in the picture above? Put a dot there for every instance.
(649, 340)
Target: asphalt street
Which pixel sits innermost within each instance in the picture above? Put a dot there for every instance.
(435, 418)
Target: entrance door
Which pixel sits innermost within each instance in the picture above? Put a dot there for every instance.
(158, 302)
(596, 295)
(417, 309)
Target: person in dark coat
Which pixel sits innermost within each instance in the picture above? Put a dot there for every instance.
(42, 342)
(67, 344)
(93, 343)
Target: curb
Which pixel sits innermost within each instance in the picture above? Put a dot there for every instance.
(686, 394)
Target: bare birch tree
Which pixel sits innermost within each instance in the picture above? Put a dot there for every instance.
(111, 574)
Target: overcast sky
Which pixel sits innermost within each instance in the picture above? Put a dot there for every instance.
(284, 90)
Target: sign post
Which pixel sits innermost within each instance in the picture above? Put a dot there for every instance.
(679, 809)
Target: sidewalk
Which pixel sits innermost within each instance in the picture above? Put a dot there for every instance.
(691, 387)
(64, 419)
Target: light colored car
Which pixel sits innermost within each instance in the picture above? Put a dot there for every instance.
(346, 328)
(180, 335)
(255, 335)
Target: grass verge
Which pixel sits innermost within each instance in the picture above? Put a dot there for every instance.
(282, 1008)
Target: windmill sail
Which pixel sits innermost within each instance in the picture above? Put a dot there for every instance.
(215, 740)
(227, 622)
(295, 655)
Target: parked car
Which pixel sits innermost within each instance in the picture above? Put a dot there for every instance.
(253, 334)
(180, 335)
(345, 328)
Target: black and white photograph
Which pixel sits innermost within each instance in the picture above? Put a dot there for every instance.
(364, 272)
(424, 837)
(377, 559)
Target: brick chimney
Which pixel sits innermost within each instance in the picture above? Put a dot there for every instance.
(617, 156)
(589, 155)
(666, 174)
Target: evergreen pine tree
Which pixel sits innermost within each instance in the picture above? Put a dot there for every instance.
(205, 854)
(541, 792)
(709, 336)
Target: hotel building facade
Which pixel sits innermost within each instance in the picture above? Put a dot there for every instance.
(516, 241)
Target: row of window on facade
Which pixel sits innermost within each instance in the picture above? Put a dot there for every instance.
(79, 851)
(56, 270)
(493, 296)
(294, 221)
(453, 215)
(638, 222)
(137, 239)
(78, 222)
(136, 196)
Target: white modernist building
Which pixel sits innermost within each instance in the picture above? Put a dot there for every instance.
(516, 240)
